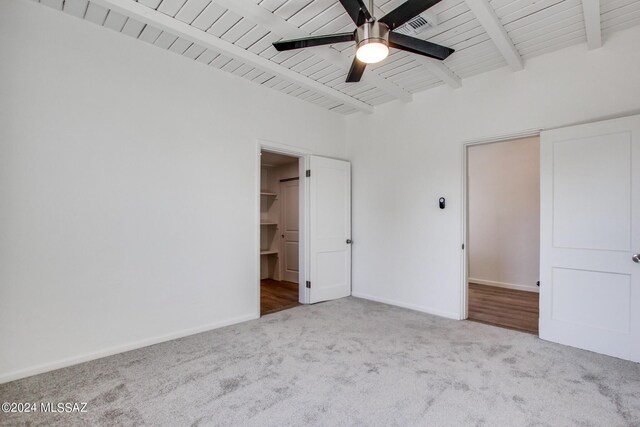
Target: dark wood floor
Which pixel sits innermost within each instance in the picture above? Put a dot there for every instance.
(504, 307)
(276, 296)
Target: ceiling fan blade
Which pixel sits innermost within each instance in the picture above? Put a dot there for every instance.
(406, 11)
(357, 10)
(356, 71)
(314, 41)
(421, 47)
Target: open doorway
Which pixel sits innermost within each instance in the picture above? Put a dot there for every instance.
(503, 233)
(279, 232)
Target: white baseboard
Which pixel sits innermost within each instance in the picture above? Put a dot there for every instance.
(528, 288)
(427, 310)
(63, 363)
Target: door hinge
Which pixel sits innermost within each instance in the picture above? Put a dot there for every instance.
(463, 246)
(308, 173)
(308, 284)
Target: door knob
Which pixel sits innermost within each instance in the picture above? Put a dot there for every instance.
(636, 258)
(349, 241)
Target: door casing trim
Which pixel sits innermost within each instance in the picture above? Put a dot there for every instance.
(303, 163)
(464, 261)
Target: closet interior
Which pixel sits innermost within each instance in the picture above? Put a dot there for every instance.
(279, 232)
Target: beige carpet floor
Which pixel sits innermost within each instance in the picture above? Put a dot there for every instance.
(348, 362)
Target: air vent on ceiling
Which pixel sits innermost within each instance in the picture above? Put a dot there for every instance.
(414, 26)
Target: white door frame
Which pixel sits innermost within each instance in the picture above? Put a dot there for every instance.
(464, 300)
(302, 154)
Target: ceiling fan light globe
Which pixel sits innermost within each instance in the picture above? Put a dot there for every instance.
(371, 52)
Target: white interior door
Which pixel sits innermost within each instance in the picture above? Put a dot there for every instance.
(330, 229)
(590, 229)
(290, 230)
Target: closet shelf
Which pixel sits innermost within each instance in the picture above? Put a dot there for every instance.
(268, 223)
(268, 252)
(268, 194)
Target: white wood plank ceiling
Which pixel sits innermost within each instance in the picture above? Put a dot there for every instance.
(236, 36)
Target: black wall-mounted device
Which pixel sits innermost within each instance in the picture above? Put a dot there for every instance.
(441, 201)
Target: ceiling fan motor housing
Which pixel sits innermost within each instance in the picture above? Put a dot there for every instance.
(372, 32)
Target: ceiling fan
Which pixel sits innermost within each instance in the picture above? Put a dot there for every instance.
(374, 37)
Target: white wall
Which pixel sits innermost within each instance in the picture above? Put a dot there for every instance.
(504, 213)
(127, 189)
(405, 156)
